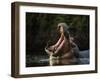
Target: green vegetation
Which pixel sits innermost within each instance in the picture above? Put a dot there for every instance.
(41, 28)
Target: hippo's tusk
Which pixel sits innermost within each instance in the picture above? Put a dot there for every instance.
(48, 52)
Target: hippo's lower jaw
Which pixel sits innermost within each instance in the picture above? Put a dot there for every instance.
(59, 60)
(52, 60)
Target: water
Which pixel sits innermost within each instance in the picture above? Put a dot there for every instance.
(43, 60)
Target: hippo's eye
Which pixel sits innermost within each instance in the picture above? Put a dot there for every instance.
(59, 26)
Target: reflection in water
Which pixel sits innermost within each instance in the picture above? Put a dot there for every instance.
(43, 60)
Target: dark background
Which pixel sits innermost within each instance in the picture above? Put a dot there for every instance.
(41, 28)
